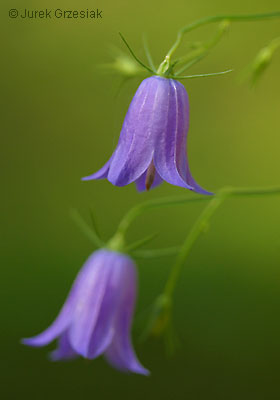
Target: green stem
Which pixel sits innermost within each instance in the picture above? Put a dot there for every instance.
(194, 234)
(202, 222)
(218, 18)
(202, 50)
(202, 75)
(118, 242)
(134, 212)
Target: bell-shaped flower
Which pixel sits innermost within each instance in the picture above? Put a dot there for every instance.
(152, 143)
(97, 315)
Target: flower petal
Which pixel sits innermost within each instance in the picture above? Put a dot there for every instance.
(120, 354)
(135, 148)
(101, 174)
(197, 188)
(64, 350)
(63, 321)
(60, 324)
(170, 157)
(87, 308)
(173, 136)
(105, 325)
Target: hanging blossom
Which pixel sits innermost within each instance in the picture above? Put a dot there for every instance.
(152, 143)
(97, 315)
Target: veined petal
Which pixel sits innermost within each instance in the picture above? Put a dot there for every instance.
(170, 156)
(63, 319)
(104, 328)
(135, 148)
(101, 174)
(154, 130)
(173, 135)
(197, 188)
(120, 353)
(87, 308)
(64, 350)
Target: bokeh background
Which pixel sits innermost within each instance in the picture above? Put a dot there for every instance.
(61, 118)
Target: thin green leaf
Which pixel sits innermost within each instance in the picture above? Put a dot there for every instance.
(156, 253)
(89, 232)
(94, 224)
(134, 56)
(141, 242)
(191, 63)
(148, 54)
(202, 75)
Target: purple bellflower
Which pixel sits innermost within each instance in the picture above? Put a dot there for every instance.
(152, 143)
(97, 315)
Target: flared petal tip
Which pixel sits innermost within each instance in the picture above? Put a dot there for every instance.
(101, 174)
(136, 369)
(57, 355)
(129, 365)
(142, 371)
(33, 342)
(203, 192)
(88, 178)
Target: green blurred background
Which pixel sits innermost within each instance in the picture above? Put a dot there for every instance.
(60, 121)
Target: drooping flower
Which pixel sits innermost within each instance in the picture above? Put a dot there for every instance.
(97, 315)
(152, 143)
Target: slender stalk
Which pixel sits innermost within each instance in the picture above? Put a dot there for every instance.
(134, 56)
(136, 211)
(148, 54)
(218, 18)
(202, 50)
(190, 63)
(202, 75)
(140, 242)
(202, 221)
(88, 231)
(118, 242)
(194, 234)
(252, 191)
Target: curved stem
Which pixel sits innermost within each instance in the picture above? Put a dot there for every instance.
(217, 18)
(194, 234)
(202, 222)
(202, 75)
(134, 212)
(203, 50)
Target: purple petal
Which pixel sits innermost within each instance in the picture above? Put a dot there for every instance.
(136, 145)
(170, 157)
(140, 182)
(104, 328)
(64, 350)
(197, 188)
(62, 322)
(101, 174)
(87, 308)
(59, 325)
(120, 354)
